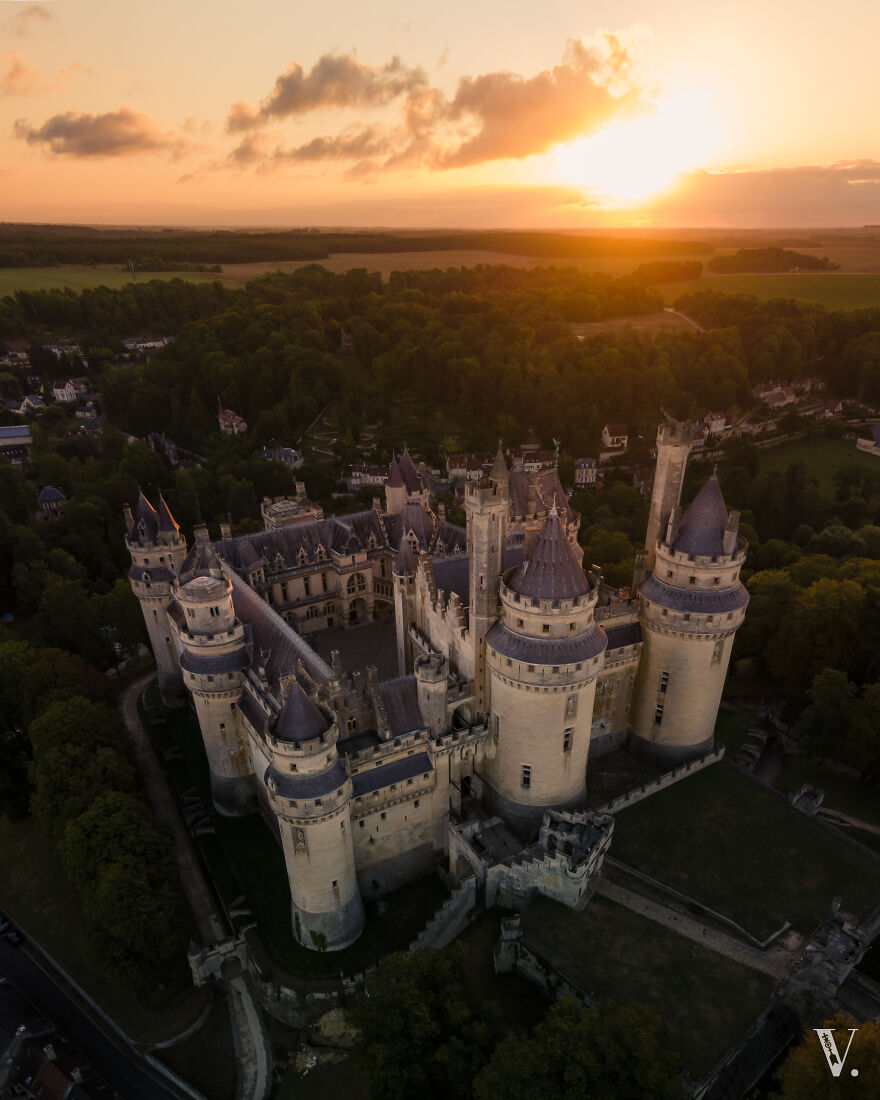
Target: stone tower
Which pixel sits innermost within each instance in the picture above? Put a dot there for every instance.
(691, 606)
(310, 792)
(157, 551)
(543, 656)
(395, 490)
(403, 572)
(213, 655)
(674, 442)
(486, 506)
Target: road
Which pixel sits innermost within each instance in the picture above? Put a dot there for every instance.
(113, 1059)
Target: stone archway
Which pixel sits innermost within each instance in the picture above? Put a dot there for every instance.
(358, 611)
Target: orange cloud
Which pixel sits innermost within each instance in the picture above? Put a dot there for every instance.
(117, 133)
(494, 116)
(26, 18)
(20, 79)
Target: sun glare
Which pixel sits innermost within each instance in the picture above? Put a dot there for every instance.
(632, 160)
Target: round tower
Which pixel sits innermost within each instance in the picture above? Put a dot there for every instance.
(691, 606)
(486, 506)
(543, 656)
(395, 489)
(157, 551)
(309, 790)
(404, 573)
(674, 442)
(212, 658)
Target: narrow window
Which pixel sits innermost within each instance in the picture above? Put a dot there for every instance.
(324, 581)
(545, 629)
(307, 586)
(383, 815)
(716, 580)
(526, 775)
(416, 804)
(567, 739)
(361, 823)
(658, 715)
(692, 580)
(318, 802)
(664, 682)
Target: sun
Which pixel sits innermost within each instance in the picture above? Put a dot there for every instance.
(632, 160)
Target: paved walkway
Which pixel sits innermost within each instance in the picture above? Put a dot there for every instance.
(249, 1038)
(775, 961)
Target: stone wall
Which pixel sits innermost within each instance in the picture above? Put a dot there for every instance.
(451, 918)
(666, 780)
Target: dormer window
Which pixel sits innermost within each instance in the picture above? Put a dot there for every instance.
(321, 553)
(302, 557)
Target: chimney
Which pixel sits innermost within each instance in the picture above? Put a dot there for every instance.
(225, 531)
(441, 512)
(201, 533)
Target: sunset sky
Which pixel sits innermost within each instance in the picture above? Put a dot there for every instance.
(485, 113)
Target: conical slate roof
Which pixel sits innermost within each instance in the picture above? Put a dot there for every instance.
(551, 571)
(499, 466)
(300, 719)
(701, 531)
(167, 522)
(49, 495)
(145, 520)
(395, 479)
(409, 473)
(405, 562)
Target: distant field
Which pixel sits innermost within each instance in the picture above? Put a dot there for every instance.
(649, 322)
(840, 290)
(82, 277)
(823, 458)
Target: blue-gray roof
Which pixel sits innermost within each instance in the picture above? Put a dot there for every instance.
(313, 785)
(210, 664)
(546, 651)
(551, 571)
(401, 701)
(49, 494)
(300, 719)
(701, 531)
(396, 772)
(626, 634)
(700, 602)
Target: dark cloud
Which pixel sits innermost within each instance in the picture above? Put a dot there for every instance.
(490, 117)
(333, 81)
(27, 18)
(117, 133)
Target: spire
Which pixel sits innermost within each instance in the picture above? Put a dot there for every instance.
(499, 466)
(146, 520)
(551, 571)
(702, 527)
(167, 523)
(395, 479)
(405, 562)
(300, 719)
(409, 473)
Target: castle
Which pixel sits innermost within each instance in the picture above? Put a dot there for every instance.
(515, 668)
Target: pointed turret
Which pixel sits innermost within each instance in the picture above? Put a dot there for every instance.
(409, 473)
(146, 520)
(167, 523)
(395, 479)
(552, 570)
(405, 562)
(702, 527)
(300, 719)
(499, 471)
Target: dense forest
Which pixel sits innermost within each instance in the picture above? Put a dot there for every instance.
(768, 259)
(49, 246)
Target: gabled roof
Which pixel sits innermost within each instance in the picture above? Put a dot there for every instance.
(551, 571)
(701, 531)
(405, 562)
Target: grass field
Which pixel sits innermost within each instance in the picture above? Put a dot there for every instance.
(206, 1060)
(842, 792)
(39, 898)
(621, 956)
(836, 290)
(725, 841)
(83, 278)
(822, 457)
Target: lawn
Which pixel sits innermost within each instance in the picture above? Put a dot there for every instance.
(823, 458)
(704, 1000)
(732, 845)
(39, 898)
(206, 1060)
(839, 290)
(732, 729)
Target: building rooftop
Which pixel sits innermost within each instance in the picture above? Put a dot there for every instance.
(702, 527)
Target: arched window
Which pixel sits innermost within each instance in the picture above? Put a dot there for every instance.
(357, 582)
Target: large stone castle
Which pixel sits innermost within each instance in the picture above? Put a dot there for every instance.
(516, 666)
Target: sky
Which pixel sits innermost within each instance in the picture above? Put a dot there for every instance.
(461, 114)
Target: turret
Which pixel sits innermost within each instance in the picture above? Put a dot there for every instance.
(692, 604)
(309, 790)
(213, 656)
(543, 657)
(674, 442)
(431, 677)
(404, 573)
(395, 490)
(157, 551)
(486, 506)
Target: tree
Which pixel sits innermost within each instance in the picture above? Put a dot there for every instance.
(820, 630)
(608, 1052)
(69, 777)
(804, 1075)
(78, 721)
(863, 742)
(823, 727)
(423, 1033)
